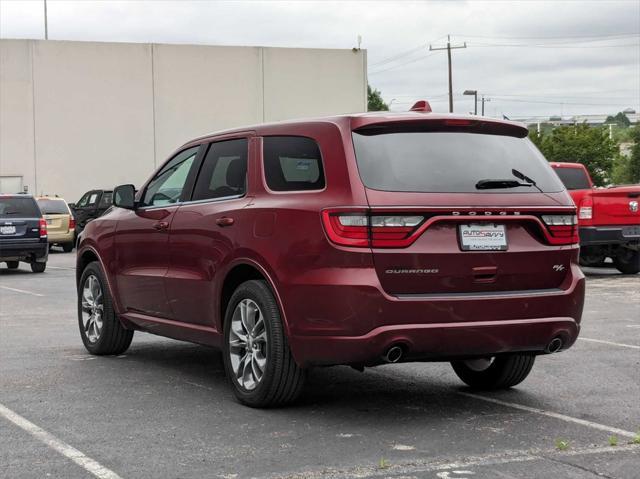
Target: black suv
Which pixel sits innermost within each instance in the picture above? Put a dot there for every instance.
(92, 205)
(23, 232)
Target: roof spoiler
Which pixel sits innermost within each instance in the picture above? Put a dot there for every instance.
(421, 106)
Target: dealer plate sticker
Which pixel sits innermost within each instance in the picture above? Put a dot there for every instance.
(483, 237)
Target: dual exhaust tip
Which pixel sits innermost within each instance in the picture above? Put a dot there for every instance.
(554, 346)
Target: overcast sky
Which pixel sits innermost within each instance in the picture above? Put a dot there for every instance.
(529, 57)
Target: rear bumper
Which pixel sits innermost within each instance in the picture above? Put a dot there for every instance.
(26, 250)
(358, 324)
(61, 237)
(603, 235)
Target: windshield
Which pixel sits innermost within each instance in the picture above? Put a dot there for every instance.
(442, 162)
(573, 178)
(13, 207)
(53, 207)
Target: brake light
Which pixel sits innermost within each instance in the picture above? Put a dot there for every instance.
(72, 223)
(43, 228)
(586, 208)
(377, 231)
(563, 228)
(456, 122)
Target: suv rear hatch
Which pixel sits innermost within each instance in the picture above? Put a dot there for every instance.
(19, 218)
(461, 207)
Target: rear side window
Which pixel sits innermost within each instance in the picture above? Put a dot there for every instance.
(106, 200)
(53, 207)
(19, 208)
(224, 171)
(448, 161)
(573, 178)
(292, 163)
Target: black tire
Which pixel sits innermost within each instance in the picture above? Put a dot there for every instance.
(283, 379)
(503, 373)
(114, 338)
(593, 256)
(13, 264)
(67, 247)
(627, 261)
(38, 267)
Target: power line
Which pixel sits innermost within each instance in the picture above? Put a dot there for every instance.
(402, 64)
(563, 37)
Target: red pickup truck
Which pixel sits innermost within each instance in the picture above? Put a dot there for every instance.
(609, 219)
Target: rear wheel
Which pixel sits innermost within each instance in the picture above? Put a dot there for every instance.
(501, 372)
(67, 247)
(257, 359)
(38, 267)
(593, 256)
(13, 264)
(100, 329)
(627, 261)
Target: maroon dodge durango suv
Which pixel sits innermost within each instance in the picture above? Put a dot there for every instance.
(351, 240)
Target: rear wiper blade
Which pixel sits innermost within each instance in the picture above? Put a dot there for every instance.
(499, 183)
(523, 177)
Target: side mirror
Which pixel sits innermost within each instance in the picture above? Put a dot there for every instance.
(124, 196)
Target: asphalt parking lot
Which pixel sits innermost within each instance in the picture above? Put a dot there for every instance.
(163, 409)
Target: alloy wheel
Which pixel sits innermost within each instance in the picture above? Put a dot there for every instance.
(92, 308)
(248, 344)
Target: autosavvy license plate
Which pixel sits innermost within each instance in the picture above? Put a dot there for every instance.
(483, 237)
(7, 230)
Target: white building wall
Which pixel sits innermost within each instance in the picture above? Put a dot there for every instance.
(81, 115)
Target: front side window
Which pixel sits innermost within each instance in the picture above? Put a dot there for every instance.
(224, 171)
(84, 200)
(292, 163)
(166, 187)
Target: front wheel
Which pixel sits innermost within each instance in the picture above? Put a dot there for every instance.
(627, 261)
(100, 329)
(257, 359)
(500, 372)
(67, 247)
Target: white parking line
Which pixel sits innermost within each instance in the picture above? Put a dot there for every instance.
(56, 444)
(610, 343)
(21, 291)
(555, 415)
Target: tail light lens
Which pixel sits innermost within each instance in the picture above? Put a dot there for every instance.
(376, 231)
(43, 228)
(72, 223)
(563, 228)
(585, 211)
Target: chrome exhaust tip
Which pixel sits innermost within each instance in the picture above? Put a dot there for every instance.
(554, 346)
(393, 354)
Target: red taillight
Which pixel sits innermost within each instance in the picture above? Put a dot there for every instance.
(358, 229)
(72, 223)
(585, 212)
(563, 228)
(43, 228)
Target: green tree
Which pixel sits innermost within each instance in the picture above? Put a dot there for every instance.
(375, 103)
(620, 119)
(634, 160)
(581, 144)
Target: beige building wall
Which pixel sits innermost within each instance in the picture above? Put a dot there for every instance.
(81, 115)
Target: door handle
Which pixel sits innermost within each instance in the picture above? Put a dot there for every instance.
(224, 221)
(161, 226)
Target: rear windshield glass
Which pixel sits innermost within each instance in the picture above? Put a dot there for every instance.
(573, 178)
(444, 161)
(19, 208)
(53, 207)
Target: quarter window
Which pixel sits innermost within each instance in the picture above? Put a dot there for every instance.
(292, 163)
(224, 171)
(166, 187)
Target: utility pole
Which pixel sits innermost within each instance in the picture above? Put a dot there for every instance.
(448, 48)
(483, 100)
(46, 27)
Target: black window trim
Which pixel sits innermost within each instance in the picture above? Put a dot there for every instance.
(206, 147)
(288, 192)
